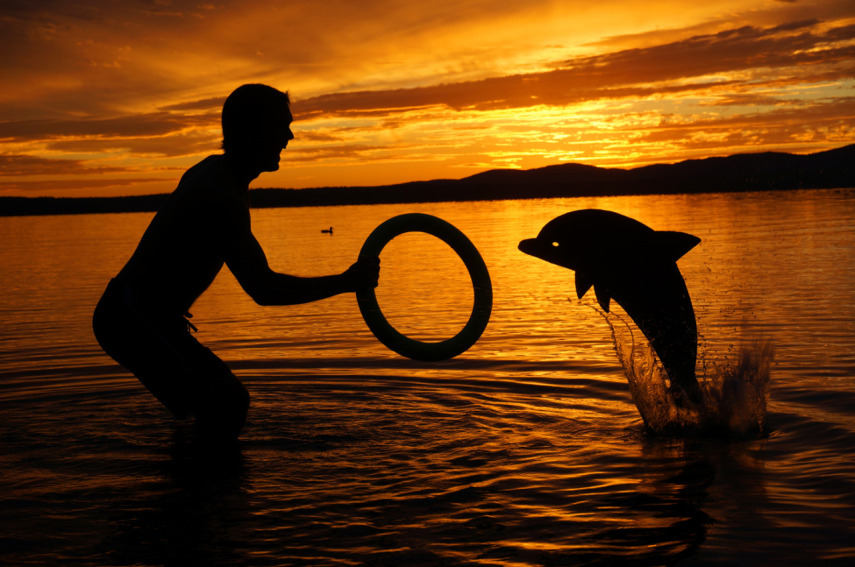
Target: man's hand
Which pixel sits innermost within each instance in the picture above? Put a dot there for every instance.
(365, 273)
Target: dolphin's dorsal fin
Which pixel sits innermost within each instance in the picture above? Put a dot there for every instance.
(673, 245)
(583, 284)
(602, 297)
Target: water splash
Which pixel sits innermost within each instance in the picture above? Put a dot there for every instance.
(734, 386)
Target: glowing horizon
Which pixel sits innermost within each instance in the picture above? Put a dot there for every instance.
(105, 99)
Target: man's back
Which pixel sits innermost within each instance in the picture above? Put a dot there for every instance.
(187, 242)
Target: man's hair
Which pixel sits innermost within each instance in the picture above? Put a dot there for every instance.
(248, 111)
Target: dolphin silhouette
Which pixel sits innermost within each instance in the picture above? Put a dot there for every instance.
(633, 264)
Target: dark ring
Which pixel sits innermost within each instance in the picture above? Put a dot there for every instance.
(483, 304)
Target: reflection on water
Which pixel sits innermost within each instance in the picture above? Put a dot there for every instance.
(425, 291)
(526, 450)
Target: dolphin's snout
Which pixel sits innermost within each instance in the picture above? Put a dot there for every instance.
(530, 246)
(545, 249)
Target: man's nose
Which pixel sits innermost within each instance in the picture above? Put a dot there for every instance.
(289, 135)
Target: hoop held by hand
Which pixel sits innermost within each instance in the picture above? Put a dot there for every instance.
(482, 305)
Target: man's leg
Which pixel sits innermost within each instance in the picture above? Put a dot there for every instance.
(219, 400)
(179, 371)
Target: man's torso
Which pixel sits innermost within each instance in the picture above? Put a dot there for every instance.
(189, 239)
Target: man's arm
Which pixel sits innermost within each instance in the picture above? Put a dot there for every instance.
(248, 263)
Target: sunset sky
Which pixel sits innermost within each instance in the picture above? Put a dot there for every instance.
(105, 98)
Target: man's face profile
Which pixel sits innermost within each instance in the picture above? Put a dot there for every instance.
(275, 138)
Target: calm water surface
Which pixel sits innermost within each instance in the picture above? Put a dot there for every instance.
(525, 450)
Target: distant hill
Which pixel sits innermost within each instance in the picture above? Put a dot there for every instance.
(771, 171)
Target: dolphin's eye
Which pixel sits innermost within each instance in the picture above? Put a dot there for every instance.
(555, 245)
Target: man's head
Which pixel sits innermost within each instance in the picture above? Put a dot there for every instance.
(257, 125)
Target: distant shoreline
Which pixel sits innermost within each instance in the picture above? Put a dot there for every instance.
(770, 171)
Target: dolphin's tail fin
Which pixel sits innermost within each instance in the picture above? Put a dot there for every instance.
(674, 245)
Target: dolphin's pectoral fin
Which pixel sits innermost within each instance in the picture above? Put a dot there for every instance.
(602, 297)
(583, 284)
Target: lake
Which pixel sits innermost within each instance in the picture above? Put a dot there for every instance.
(527, 449)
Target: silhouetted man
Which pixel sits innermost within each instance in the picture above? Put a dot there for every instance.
(141, 318)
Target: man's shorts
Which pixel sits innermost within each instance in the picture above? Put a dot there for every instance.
(182, 373)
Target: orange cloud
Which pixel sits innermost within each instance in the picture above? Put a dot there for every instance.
(629, 73)
(32, 165)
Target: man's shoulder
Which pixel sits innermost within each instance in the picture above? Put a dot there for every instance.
(212, 170)
(212, 178)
